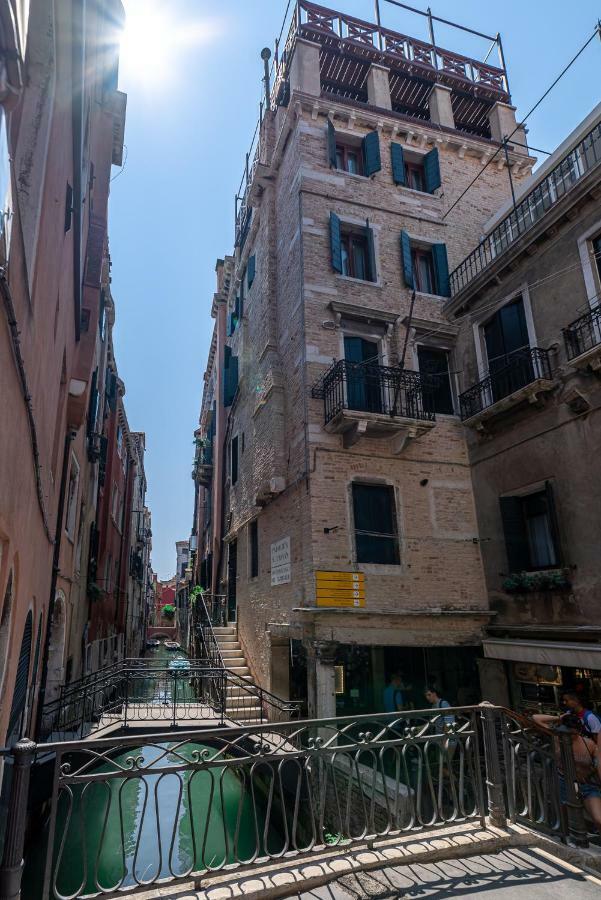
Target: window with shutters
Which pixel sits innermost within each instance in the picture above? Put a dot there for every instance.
(352, 250)
(425, 266)
(531, 532)
(417, 171)
(72, 492)
(234, 459)
(253, 551)
(375, 524)
(355, 155)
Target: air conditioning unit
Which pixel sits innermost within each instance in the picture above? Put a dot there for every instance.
(269, 490)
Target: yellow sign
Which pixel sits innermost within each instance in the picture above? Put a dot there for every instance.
(340, 589)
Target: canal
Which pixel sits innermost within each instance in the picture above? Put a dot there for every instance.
(150, 816)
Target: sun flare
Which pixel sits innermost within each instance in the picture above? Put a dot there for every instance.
(151, 39)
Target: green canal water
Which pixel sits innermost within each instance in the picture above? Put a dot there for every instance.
(155, 825)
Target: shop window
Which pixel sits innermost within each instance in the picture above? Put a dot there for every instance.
(253, 535)
(531, 533)
(352, 249)
(374, 515)
(434, 366)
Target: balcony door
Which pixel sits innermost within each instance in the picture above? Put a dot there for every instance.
(363, 386)
(507, 343)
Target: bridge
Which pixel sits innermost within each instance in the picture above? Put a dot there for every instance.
(169, 632)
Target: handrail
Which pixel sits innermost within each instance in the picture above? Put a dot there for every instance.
(210, 650)
(585, 156)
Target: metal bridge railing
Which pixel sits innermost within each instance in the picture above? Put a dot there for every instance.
(172, 810)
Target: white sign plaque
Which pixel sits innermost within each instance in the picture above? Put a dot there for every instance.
(280, 562)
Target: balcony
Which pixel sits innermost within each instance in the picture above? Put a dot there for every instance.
(524, 375)
(202, 472)
(572, 170)
(583, 340)
(375, 401)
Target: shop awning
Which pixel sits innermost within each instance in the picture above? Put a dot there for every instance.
(550, 653)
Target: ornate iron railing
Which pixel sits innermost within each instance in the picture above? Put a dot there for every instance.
(521, 369)
(253, 794)
(364, 387)
(572, 169)
(132, 812)
(583, 334)
(205, 611)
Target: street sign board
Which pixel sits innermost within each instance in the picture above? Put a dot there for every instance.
(280, 562)
(340, 589)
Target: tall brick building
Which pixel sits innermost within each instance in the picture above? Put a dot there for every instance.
(335, 508)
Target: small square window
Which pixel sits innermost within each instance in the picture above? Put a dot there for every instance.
(530, 528)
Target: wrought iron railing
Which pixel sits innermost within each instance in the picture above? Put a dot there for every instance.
(149, 810)
(364, 387)
(572, 169)
(518, 371)
(205, 610)
(141, 691)
(583, 334)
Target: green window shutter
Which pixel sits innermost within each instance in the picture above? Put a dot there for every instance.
(406, 260)
(230, 377)
(237, 308)
(397, 160)
(371, 252)
(371, 153)
(441, 268)
(230, 325)
(432, 171)
(516, 539)
(335, 245)
(251, 269)
(332, 146)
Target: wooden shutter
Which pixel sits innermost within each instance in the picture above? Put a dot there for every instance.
(397, 160)
(406, 260)
(230, 377)
(371, 153)
(93, 407)
(371, 253)
(516, 538)
(432, 171)
(335, 243)
(332, 146)
(21, 679)
(441, 269)
(251, 269)
(68, 207)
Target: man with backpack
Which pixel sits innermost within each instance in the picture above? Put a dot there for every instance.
(573, 706)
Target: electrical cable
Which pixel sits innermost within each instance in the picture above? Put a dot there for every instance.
(523, 121)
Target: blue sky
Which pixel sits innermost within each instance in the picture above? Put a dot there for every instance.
(191, 111)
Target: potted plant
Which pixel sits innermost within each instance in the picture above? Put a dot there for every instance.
(531, 582)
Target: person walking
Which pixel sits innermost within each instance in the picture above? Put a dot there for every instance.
(393, 694)
(573, 705)
(436, 702)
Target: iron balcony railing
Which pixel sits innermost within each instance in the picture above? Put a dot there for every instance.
(583, 334)
(365, 387)
(578, 163)
(515, 372)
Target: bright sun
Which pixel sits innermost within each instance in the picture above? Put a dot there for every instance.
(151, 39)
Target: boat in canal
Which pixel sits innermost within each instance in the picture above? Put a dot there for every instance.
(171, 645)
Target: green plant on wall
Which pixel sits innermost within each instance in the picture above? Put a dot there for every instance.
(168, 610)
(529, 582)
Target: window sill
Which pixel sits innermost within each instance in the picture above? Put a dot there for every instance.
(416, 193)
(362, 281)
(424, 296)
(380, 568)
(353, 175)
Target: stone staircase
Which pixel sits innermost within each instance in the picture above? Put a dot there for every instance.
(240, 705)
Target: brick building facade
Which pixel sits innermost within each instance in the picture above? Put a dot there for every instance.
(329, 440)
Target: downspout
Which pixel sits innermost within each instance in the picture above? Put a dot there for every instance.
(78, 12)
(60, 513)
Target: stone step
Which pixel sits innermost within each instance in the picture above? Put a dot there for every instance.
(225, 629)
(231, 651)
(239, 670)
(230, 662)
(242, 714)
(229, 645)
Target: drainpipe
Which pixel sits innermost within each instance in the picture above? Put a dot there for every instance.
(58, 532)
